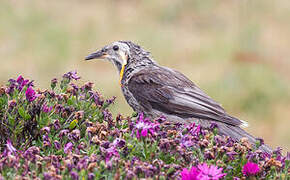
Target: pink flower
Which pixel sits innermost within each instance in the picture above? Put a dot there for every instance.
(144, 127)
(68, 148)
(71, 75)
(144, 132)
(110, 152)
(21, 82)
(20, 79)
(193, 128)
(211, 172)
(10, 147)
(30, 94)
(46, 129)
(189, 175)
(203, 172)
(250, 169)
(57, 144)
(46, 109)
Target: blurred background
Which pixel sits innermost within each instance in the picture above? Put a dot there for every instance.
(236, 51)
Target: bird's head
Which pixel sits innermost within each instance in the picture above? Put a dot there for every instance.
(117, 52)
(122, 54)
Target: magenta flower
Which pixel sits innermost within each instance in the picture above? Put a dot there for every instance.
(72, 75)
(10, 147)
(46, 109)
(211, 172)
(47, 175)
(30, 94)
(57, 144)
(193, 129)
(119, 142)
(46, 140)
(46, 129)
(56, 124)
(250, 169)
(189, 175)
(63, 133)
(21, 82)
(20, 79)
(74, 175)
(203, 172)
(144, 126)
(12, 103)
(110, 152)
(83, 163)
(144, 132)
(91, 176)
(68, 148)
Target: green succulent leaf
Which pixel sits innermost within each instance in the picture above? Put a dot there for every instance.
(23, 113)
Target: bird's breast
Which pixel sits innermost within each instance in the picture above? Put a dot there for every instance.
(131, 99)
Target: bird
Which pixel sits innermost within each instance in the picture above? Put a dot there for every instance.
(156, 91)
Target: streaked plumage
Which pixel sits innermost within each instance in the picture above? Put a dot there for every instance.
(156, 90)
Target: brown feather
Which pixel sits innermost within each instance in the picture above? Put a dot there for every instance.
(158, 87)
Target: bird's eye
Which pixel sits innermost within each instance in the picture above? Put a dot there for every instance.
(115, 48)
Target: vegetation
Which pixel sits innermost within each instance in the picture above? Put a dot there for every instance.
(68, 132)
(236, 51)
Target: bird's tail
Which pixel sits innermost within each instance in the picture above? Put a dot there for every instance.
(238, 133)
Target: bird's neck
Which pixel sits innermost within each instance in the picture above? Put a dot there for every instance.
(134, 66)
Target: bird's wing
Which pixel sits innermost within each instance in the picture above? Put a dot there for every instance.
(172, 93)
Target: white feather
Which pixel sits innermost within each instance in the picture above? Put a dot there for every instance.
(244, 124)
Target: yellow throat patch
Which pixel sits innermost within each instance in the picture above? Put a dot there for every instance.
(124, 57)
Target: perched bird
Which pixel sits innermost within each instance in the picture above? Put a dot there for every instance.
(160, 91)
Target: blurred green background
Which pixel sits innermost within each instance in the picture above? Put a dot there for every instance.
(236, 51)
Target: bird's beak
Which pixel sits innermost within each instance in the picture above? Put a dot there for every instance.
(97, 55)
